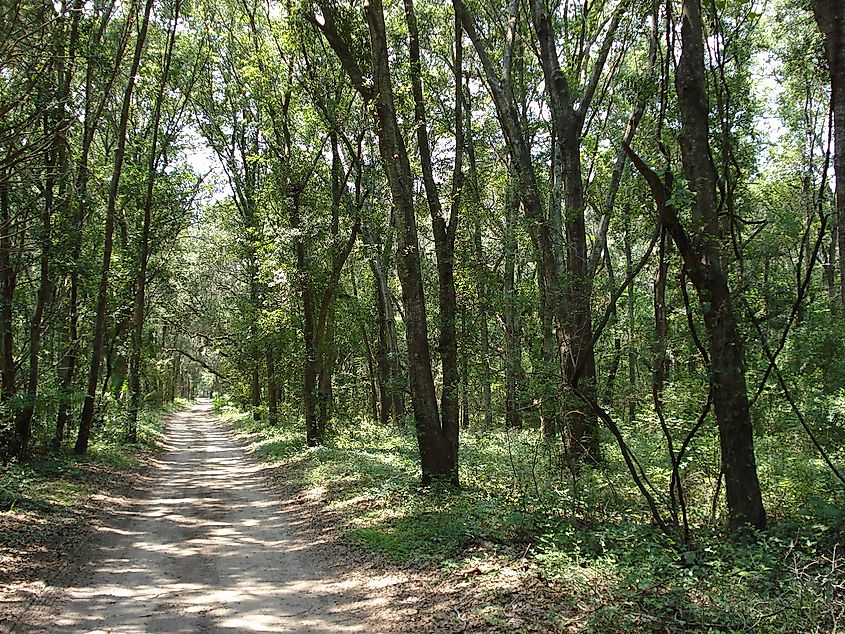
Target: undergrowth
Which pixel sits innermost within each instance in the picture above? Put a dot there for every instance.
(590, 537)
(52, 480)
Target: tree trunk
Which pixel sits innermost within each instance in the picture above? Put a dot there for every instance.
(177, 372)
(659, 357)
(372, 382)
(632, 327)
(511, 416)
(327, 355)
(830, 16)
(87, 416)
(613, 370)
(444, 230)
(730, 398)
(465, 413)
(8, 282)
(70, 362)
(23, 420)
(701, 252)
(272, 387)
(483, 330)
(144, 247)
(550, 368)
(575, 335)
(437, 442)
(390, 383)
(566, 302)
(513, 330)
(255, 391)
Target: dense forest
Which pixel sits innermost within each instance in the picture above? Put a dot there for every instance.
(603, 234)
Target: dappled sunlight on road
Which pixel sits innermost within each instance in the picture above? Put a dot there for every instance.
(205, 547)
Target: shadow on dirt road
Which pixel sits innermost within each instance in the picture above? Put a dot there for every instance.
(204, 546)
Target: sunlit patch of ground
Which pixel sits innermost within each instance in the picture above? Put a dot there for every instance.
(202, 544)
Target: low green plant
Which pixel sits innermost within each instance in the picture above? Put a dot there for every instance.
(591, 536)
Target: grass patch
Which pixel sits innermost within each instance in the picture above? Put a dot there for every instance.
(371, 476)
(590, 539)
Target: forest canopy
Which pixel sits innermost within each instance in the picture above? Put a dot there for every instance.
(608, 230)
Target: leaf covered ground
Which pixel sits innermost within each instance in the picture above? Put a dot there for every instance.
(50, 505)
(49, 508)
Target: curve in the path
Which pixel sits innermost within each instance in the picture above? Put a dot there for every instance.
(204, 546)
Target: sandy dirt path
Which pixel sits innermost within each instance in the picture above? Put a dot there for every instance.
(205, 546)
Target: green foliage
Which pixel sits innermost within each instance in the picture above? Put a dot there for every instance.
(59, 479)
(617, 572)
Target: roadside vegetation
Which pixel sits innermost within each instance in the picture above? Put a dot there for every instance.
(49, 503)
(560, 282)
(601, 564)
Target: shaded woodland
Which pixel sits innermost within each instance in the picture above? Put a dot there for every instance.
(604, 231)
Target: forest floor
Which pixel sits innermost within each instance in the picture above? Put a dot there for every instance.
(235, 525)
(208, 539)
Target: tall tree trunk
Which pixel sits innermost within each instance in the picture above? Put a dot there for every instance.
(830, 16)
(483, 330)
(327, 354)
(513, 330)
(660, 357)
(632, 326)
(23, 419)
(255, 391)
(391, 390)
(144, 247)
(437, 441)
(93, 111)
(67, 67)
(311, 362)
(730, 398)
(554, 309)
(272, 386)
(550, 369)
(87, 416)
(372, 382)
(575, 335)
(481, 284)
(701, 251)
(444, 230)
(830, 268)
(613, 370)
(514, 372)
(8, 282)
(177, 374)
(465, 409)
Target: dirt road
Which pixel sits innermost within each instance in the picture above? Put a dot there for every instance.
(205, 546)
